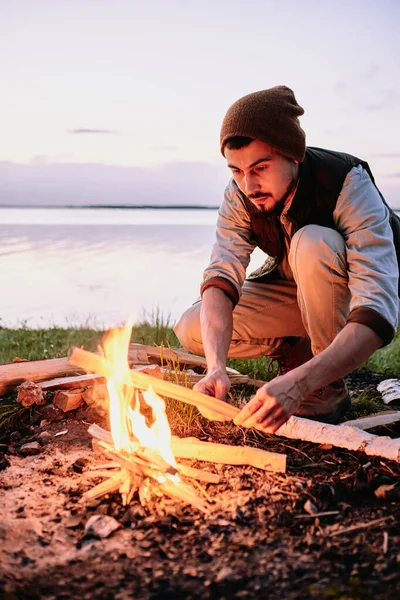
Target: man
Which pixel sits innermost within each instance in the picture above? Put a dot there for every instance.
(326, 297)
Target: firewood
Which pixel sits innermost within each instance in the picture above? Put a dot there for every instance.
(228, 455)
(107, 487)
(68, 400)
(341, 436)
(138, 356)
(199, 474)
(377, 420)
(96, 394)
(14, 374)
(175, 355)
(70, 382)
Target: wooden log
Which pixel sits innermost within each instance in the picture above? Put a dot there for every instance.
(107, 487)
(68, 400)
(377, 420)
(14, 374)
(97, 395)
(61, 383)
(228, 455)
(198, 474)
(342, 436)
(175, 355)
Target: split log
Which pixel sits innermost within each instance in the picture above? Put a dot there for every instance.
(69, 382)
(14, 374)
(68, 400)
(210, 452)
(228, 455)
(377, 420)
(97, 395)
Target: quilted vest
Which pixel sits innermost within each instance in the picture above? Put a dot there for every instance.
(322, 175)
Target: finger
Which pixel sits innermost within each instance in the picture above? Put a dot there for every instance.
(263, 414)
(273, 422)
(247, 411)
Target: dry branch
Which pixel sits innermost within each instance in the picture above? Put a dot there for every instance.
(70, 382)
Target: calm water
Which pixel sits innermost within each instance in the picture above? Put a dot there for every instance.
(72, 267)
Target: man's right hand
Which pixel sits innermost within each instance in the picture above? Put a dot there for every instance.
(217, 384)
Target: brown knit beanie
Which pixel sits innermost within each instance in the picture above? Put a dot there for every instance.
(270, 116)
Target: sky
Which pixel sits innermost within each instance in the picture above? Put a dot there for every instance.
(121, 101)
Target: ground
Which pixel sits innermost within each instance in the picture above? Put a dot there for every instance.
(259, 540)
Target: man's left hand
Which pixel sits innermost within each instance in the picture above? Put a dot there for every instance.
(272, 405)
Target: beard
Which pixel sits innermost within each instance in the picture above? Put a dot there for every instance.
(271, 206)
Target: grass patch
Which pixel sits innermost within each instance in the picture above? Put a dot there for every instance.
(387, 360)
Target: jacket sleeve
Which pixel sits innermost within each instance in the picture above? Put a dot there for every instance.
(363, 220)
(234, 244)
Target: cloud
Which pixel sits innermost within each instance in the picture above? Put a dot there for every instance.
(371, 72)
(88, 131)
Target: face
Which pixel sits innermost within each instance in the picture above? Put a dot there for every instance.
(266, 177)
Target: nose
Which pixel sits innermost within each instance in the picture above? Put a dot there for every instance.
(251, 185)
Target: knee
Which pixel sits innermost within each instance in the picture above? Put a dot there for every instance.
(314, 244)
(188, 330)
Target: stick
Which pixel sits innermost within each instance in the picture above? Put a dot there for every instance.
(68, 382)
(205, 476)
(361, 526)
(228, 455)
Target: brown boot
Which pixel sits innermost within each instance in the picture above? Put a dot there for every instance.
(329, 403)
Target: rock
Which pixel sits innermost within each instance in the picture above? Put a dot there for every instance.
(310, 508)
(30, 449)
(45, 437)
(101, 526)
(15, 437)
(4, 463)
(44, 423)
(224, 573)
(79, 464)
(52, 413)
(30, 393)
(73, 521)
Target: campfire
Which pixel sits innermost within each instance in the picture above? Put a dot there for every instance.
(140, 447)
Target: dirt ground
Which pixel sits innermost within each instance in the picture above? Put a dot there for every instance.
(258, 541)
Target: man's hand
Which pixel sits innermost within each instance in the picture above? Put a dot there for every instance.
(272, 405)
(216, 383)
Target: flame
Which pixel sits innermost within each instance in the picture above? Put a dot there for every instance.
(128, 425)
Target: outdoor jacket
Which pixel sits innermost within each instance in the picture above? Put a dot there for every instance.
(335, 190)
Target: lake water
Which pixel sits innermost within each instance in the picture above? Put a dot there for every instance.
(99, 266)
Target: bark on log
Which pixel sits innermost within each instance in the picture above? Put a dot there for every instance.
(14, 374)
(228, 455)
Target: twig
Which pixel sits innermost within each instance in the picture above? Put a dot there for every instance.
(361, 526)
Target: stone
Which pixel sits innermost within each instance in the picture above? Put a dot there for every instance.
(45, 437)
(101, 526)
(30, 449)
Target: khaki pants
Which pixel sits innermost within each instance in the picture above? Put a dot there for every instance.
(314, 303)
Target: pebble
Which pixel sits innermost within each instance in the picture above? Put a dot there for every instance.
(15, 437)
(45, 437)
(101, 526)
(30, 448)
(310, 508)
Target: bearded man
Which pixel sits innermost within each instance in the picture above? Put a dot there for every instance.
(326, 297)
